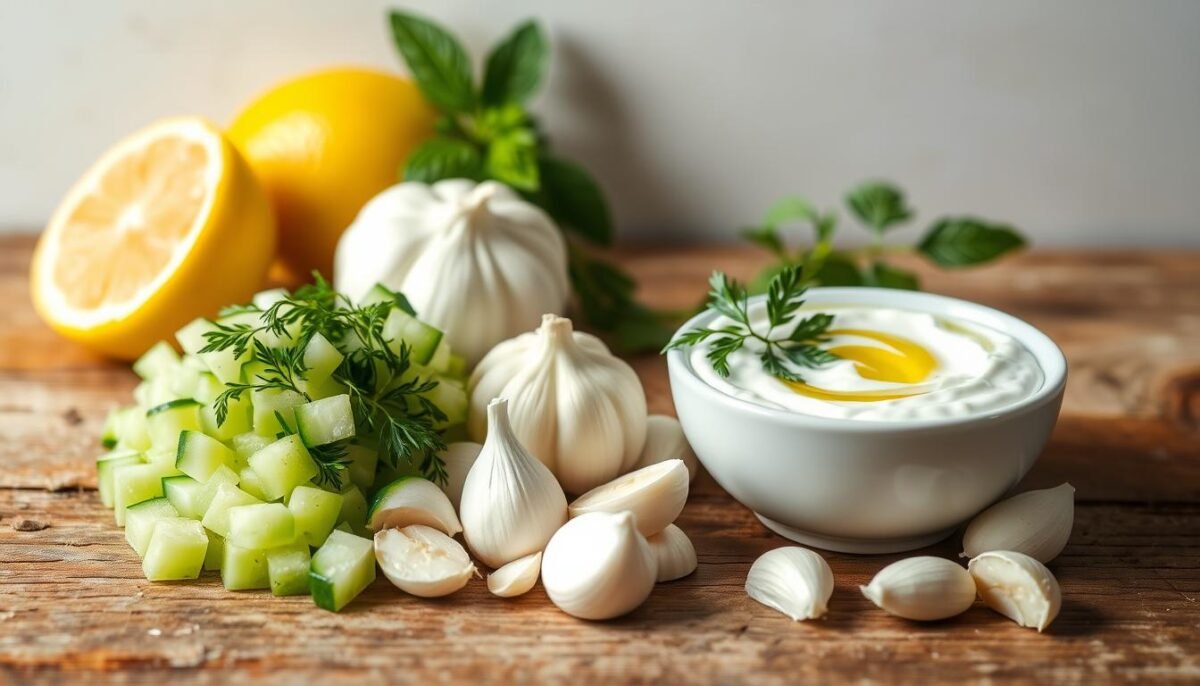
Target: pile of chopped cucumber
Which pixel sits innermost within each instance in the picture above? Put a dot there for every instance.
(270, 488)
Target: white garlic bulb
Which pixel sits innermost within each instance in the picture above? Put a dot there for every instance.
(573, 405)
(1017, 586)
(413, 500)
(458, 457)
(922, 588)
(655, 495)
(793, 580)
(475, 260)
(1037, 523)
(516, 577)
(423, 561)
(598, 566)
(511, 503)
(665, 441)
(675, 553)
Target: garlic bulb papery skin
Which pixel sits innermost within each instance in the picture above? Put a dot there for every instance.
(655, 495)
(793, 580)
(665, 441)
(475, 260)
(675, 553)
(511, 503)
(573, 405)
(458, 457)
(516, 577)
(922, 588)
(1037, 523)
(1017, 586)
(423, 561)
(598, 566)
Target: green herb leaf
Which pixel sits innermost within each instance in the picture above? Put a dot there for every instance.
(766, 237)
(808, 355)
(879, 205)
(811, 329)
(574, 200)
(814, 260)
(437, 61)
(839, 269)
(444, 158)
(887, 276)
(788, 210)
(513, 159)
(783, 296)
(965, 241)
(515, 66)
(728, 297)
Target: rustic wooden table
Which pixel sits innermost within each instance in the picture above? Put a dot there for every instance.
(75, 608)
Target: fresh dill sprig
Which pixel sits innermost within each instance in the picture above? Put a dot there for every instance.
(785, 296)
(331, 458)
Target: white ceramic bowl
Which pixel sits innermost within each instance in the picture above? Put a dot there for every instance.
(869, 486)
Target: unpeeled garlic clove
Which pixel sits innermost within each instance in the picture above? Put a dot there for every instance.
(1037, 523)
(675, 553)
(413, 500)
(598, 566)
(665, 441)
(516, 577)
(1017, 586)
(422, 560)
(458, 457)
(922, 588)
(793, 580)
(655, 495)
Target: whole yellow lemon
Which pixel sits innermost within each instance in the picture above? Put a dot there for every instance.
(323, 145)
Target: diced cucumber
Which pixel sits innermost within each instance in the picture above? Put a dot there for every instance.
(324, 421)
(283, 465)
(321, 358)
(268, 525)
(108, 434)
(244, 569)
(215, 555)
(135, 483)
(340, 570)
(131, 428)
(194, 363)
(239, 418)
(250, 482)
(208, 387)
(185, 494)
(450, 395)
(323, 388)
(199, 455)
(344, 527)
(263, 300)
(362, 465)
(140, 520)
(223, 363)
(167, 420)
(287, 568)
(456, 367)
(177, 550)
(354, 508)
(267, 403)
(440, 361)
(216, 517)
(223, 475)
(314, 512)
(421, 338)
(246, 444)
(181, 381)
(160, 358)
(105, 466)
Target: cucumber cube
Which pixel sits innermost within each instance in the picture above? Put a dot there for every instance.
(283, 465)
(318, 389)
(450, 395)
(354, 508)
(166, 421)
(239, 418)
(321, 358)
(140, 520)
(215, 554)
(263, 300)
(287, 568)
(161, 357)
(223, 363)
(176, 551)
(199, 455)
(223, 475)
(216, 517)
(185, 494)
(266, 525)
(108, 434)
(314, 511)
(267, 403)
(135, 483)
(325, 421)
(340, 570)
(363, 460)
(131, 428)
(421, 338)
(250, 482)
(107, 464)
(244, 569)
(246, 444)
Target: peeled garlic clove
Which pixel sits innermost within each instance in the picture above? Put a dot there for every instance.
(655, 495)
(922, 588)
(1017, 586)
(675, 553)
(458, 457)
(598, 566)
(413, 500)
(793, 580)
(665, 441)
(516, 577)
(1037, 523)
(511, 503)
(422, 561)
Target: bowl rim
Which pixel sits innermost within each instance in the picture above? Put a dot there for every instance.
(1047, 353)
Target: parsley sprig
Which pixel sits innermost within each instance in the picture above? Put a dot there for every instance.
(801, 347)
(388, 398)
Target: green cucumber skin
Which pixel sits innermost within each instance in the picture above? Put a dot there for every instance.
(170, 405)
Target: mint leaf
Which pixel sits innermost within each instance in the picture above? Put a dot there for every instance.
(879, 205)
(839, 269)
(515, 66)
(886, 276)
(437, 61)
(443, 158)
(513, 159)
(966, 241)
(574, 200)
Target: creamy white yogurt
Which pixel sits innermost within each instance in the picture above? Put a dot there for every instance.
(969, 369)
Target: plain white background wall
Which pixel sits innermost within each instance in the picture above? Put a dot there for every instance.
(1077, 120)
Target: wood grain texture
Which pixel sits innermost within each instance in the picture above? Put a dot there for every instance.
(74, 607)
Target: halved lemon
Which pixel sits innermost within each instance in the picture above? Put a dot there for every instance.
(170, 224)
